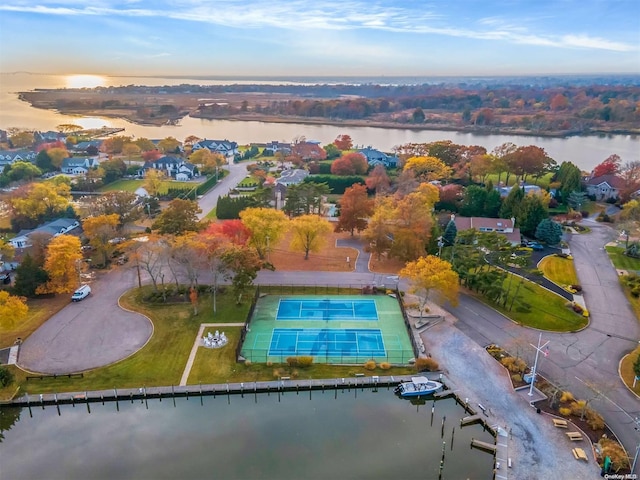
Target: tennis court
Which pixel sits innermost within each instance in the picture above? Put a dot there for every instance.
(327, 309)
(332, 328)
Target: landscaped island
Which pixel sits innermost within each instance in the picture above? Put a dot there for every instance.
(470, 107)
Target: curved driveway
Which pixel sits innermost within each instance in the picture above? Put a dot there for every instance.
(88, 334)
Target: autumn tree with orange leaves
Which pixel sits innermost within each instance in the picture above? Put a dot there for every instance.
(429, 277)
(355, 208)
(63, 264)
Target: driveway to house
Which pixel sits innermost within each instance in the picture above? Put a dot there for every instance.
(590, 356)
(88, 334)
(237, 172)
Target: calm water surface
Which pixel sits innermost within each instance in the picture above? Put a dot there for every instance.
(585, 152)
(335, 434)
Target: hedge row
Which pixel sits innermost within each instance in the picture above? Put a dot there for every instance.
(337, 184)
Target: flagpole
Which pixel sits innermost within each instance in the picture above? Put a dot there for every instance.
(535, 363)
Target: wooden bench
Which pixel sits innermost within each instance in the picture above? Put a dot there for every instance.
(574, 436)
(580, 454)
(559, 423)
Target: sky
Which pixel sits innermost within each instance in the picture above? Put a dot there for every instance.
(321, 37)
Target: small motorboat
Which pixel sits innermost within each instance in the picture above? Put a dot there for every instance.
(417, 386)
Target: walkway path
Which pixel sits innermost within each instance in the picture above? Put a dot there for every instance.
(197, 343)
(362, 262)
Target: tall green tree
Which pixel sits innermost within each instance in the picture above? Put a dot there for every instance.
(531, 212)
(29, 276)
(179, 217)
(511, 205)
(450, 233)
(549, 232)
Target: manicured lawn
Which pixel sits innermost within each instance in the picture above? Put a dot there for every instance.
(633, 301)
(125, 185)
(250, 181)
(626, 370)
(622, 261)
(211, 215)
(536, 307)
(559, 270)
(163, 359)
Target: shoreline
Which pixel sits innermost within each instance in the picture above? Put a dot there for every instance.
(334, 122)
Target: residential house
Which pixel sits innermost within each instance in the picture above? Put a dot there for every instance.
(8, 157)
(276, 146)
(173, 167)
(376, 157)
(49, 137)
(82, 147)
(224, 147)
(605, 187)
(308, 151)
(78, 165)
(504, 226)
(293, 176)
(54, 228)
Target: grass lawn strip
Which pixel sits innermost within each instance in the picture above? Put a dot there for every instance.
(559, 270)
(537, 307)
(622, 261)
(133, 185)
(626, 371)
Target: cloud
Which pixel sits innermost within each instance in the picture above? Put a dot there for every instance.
(331, 15)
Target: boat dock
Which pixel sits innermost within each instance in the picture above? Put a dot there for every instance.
(284, 384)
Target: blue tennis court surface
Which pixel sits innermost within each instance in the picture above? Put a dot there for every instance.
(329, 342)
(327, 309)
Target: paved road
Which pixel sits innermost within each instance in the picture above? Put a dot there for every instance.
(88, 334)
(237, 172)
(590, 355)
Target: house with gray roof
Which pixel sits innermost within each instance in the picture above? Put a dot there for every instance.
(78, 165)
(224, 147)
(83, 146)
(376, 157)
(173, 167)
(8, 157)
(53, 229)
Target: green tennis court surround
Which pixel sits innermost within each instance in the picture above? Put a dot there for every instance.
(332, 328)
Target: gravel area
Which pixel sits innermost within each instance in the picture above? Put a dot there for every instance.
(538, 449)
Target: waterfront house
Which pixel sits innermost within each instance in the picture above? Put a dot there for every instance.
(605, 187)
(224, 147)
(376, 157)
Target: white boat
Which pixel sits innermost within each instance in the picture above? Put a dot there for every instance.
(417, 386)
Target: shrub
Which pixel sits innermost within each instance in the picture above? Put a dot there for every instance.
(564, 411)
(577, 308)
(566, 397)
(613, 450)
(516, 378)
(292, 361)
(514, 365)
(305, 361)
(6, 376)
(385, 365)
(577, 288)
(594, 420)
(370, 365)
(426, 363)
(577, 407)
